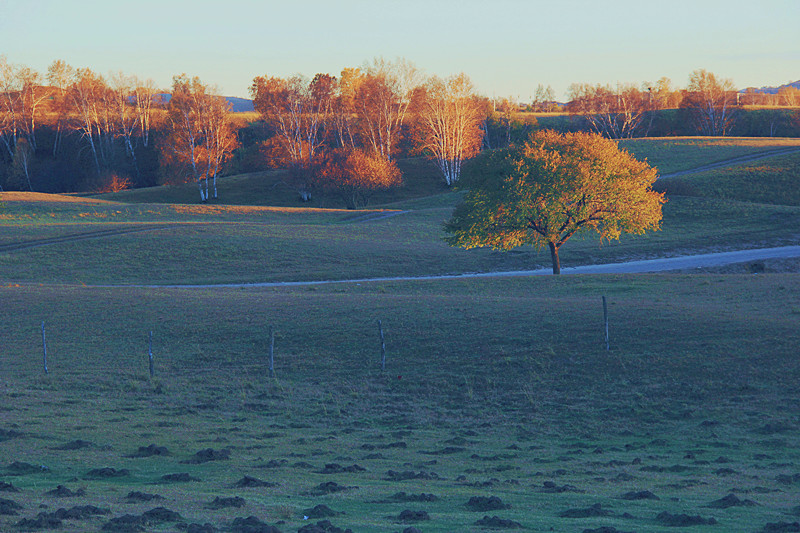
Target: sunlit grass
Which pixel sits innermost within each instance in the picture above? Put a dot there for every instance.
(673, 154)
(775, 180)
(272, 188)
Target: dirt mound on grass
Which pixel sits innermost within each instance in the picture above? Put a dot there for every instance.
(412, 516)
(403, 497)
(201, 528)
(483, 504)
(587, 512)
(329, 487)
(7, 487)
(222, 503)
(683, 520)
(18, 468)
(153, 517)
(9, 507)
(80, 512)
(639, 495)
(209, 454)
(392, 475)
(42, 521)
(781, 527)
(731, 500)
(320, 511)
(335, 468)
(63, 492)
(151, 451)
(323, 527)
(137, 496)
(251, 524)
(107, 472)
(181, 477)
(8, 434)
(249, 482)
(497, 522)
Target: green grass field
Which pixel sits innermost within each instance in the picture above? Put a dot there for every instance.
(499, 397)
(772, 181)
(674, 154)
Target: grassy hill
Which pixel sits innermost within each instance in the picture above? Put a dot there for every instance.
(499, 397)
(420, 179)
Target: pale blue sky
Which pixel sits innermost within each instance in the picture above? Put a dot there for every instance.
(507, 47)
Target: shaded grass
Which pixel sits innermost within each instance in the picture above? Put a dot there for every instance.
(239, 244)
(673, 154)
(495, 386)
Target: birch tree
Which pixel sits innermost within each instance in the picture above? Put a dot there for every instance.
(9, 106)
(59, 76)
(448, 123)
(218, 135)
(145, 95)
(200, 136)
(381, 99)
(182, 143)
(124, 109)
(615, 113)
(21, 98)
(298, 110)
(87, 96)
(711, 103)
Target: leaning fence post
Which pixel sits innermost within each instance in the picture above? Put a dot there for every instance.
(271, 352)
(383, 347)
(605, 320)
(44, 347)
(150, 354)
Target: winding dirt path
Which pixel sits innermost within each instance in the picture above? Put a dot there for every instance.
(95, 234)
(628, 267)
(732, 161)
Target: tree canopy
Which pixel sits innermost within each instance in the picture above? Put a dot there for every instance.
(552, 187)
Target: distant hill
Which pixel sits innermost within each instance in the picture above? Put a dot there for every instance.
(773, 90)
(238, 105)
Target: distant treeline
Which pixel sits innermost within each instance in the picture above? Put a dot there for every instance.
(74, 130)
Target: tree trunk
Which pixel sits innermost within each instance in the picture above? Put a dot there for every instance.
(554, 256)
(200, 187)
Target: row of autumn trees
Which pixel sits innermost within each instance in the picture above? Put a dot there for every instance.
(343, 134)
(81, 130)
(339, 135)
(73, 129)
(709, 105)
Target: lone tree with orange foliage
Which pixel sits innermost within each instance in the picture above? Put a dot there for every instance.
(355, 174)
(552, 187)
(448, 123)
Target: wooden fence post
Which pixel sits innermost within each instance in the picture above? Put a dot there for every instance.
(383, 346)
(150, 354)
(44, 347)
(271, 352)
(605, 320)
